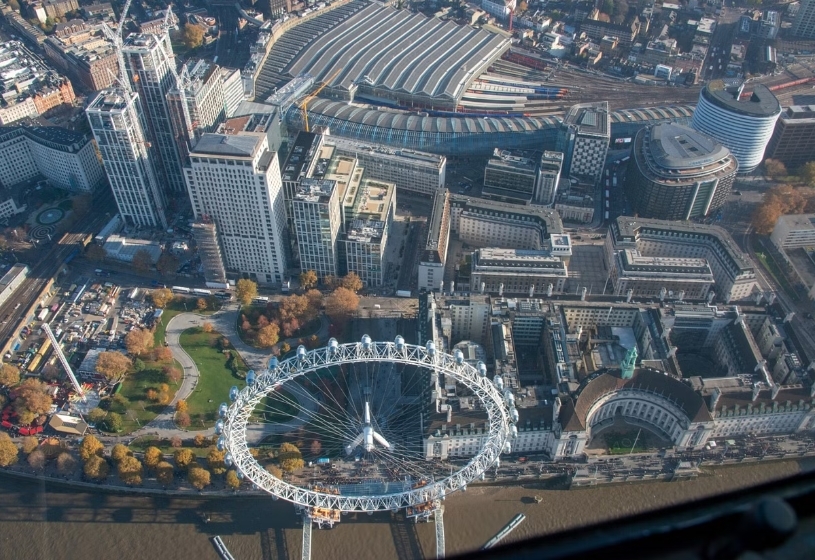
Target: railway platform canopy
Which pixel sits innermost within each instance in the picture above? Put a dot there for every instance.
(462, 134)
(407, 58)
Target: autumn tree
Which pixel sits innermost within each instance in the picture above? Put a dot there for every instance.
(352, 282)
(139, 341)
(152, 457)
(181, 405)
(246, 290)
(207, 327)
(215, 461)
(163, 354)
(290, 457)
(130, 471)
(66, 463)
(95, 253)
(198, 477)
(9, 375)
(807, 173)
(308, 279)
(200, 440)
(142, 260)
(341, 304)
(36, 460)
(167, 263)
(113, 365)
(193, 36)
(114, 422)
(29, 444)
(164, 473)
(9, 454)
(119, 452)
(96, 468)
(183, 458)
(182, 419)
(232, 480)
(161, 297)
(268, 335)
(285, 347)
(31, 400)
(176, 442)
(172, 373)
(90, 447)
(275, 471)
(96, 415)
(775, 168)
(778, 200)
(201, 304)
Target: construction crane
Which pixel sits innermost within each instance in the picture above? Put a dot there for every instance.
(315, 93)
(63, 360)
(118, 42)
(182, 81)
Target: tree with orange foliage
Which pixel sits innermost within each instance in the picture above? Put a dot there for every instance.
(341, 304)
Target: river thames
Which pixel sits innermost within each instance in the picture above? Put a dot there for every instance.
(52, 523)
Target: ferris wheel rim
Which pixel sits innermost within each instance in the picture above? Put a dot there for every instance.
(237, 416)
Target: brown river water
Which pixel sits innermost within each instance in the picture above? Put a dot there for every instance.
(54, 523)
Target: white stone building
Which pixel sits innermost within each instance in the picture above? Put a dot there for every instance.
(234, 180)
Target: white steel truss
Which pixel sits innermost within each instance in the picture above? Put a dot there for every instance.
(236, 418)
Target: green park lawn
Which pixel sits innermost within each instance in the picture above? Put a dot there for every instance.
(174, 308)
(138, 410)
(216, 376)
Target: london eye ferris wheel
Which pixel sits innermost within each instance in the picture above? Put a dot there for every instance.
(359, 412)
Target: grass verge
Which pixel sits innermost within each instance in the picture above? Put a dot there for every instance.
(218, 372)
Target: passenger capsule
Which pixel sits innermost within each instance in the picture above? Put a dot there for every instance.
(400, 342)
(233, 393)
(220, 444)
(219, 427)
(431, 348)
(240, 474)
(482, 369)
(498, 381)
(513, 414)
(333, 345)
(250, 377)
(510, 399)
(228, 460)
(459, 356)
(514, 431)
(366, 342)
(507, 447)
(222, 410)
(273, 363)
(301, 352)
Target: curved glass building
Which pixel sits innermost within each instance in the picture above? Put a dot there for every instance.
(744, 126)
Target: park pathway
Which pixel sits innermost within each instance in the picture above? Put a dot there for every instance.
(225, 322)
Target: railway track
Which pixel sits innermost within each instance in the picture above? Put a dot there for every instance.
(48, 263)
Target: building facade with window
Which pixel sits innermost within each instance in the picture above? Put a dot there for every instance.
(117, 124)
(234, 181)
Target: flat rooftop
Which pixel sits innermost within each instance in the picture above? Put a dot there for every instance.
(798, 222)
(300, 156)
(315, 190)
(590, 118)
(761, 103)
(514, 260)
(674, 146)
(243, 145)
